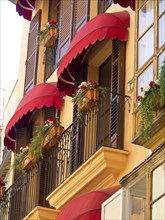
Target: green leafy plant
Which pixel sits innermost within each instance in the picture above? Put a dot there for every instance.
(20, 156)
(37, 140)
(45, 31)
(78, 96)
(151, 99)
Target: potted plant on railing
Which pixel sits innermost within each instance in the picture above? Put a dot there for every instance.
(151, 100)
(87, 95)
(49, 34)
(52, 132)
(2, 189)
(46, 136)
(23, 160)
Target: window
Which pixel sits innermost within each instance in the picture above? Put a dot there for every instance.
(103, 5)
(150, 40)
(158, 193)
(51, 52)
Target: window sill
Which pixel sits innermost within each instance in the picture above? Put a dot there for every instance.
(157, 135)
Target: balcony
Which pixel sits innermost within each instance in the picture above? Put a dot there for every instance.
(88, 156)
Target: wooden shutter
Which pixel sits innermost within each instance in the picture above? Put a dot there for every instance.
(117, 80)
(65, 29)
(80, 14)
(51, 112)
(32, 53)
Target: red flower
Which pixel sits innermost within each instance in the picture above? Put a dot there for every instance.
(152, 83)
(83, 87)
(1, 182)
(139, 98)
(142, 89)
(52, 22)
(76, 90)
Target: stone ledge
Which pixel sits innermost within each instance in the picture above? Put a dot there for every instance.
(42, 213)
(98, 172)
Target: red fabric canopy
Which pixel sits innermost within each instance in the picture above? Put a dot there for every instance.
(88, 206)
(111, 25)
(125, 3)
(25, 8)
(44, 94)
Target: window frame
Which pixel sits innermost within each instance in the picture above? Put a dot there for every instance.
(153, 167)
(157, 51)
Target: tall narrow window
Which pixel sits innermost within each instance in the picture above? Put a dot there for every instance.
(158, 193)
(51, 52)
(150, 41)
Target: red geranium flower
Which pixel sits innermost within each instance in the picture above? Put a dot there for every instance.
(142, 89)
(151, 83)
(52, 22)
(1, 182)
(83, 87)
(139, 98)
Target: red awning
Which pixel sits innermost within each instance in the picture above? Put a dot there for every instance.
(125, 3)
(111, 25)
(87, 206)
(44, 94)
(25, 8)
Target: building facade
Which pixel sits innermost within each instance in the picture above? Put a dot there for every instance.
(100, 159)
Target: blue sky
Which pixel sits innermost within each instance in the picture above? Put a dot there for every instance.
(10, 39)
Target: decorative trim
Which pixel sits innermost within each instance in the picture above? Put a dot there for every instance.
(98, 172)
(41, 213)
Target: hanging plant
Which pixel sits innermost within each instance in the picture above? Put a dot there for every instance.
(151, 100)
(49, 34)
(23, 160)
(87, 95)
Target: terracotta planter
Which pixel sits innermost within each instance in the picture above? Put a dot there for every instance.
(52, 136)
(89, 100)
(27, 163)
(52, 31)
(50, 38)
(2, 191)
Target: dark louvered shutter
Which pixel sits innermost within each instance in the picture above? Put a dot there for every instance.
(32, 53)
(51, 112)
(80, 14)
(65, 29)
(77, 138)
(117, 80)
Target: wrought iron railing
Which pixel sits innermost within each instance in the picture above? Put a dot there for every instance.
(27, 192)
(78, 143)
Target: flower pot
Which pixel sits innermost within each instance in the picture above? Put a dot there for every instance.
(89, 100)
(2, 191)
(52, 136)
(27, 163)
(52, 31)
(50, 37)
